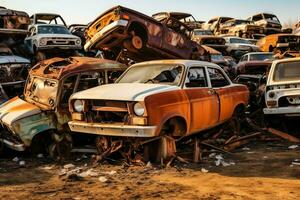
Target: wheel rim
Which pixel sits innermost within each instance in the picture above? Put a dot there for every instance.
(137, 42)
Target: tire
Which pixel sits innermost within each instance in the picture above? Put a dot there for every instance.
(137, 42)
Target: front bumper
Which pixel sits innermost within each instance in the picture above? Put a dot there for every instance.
(106, 30)
(47, 47)
(5, 138)
(113, 129)
(288, 111)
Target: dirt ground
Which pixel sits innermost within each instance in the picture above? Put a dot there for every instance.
(260, 171)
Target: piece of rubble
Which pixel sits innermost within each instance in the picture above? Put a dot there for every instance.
(293, 146)
(149, 165)
(69, 166)
(16, 159)
(89, 172)
(203, 170)
(245, 149)
(111, 172)
(103, 179)
(296, 163)
(40, 155)
(22, 163)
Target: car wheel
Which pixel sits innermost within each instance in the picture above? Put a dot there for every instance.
(137, 42)
(61, 147)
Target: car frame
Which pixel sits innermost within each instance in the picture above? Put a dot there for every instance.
(173, 110)
(38, 120)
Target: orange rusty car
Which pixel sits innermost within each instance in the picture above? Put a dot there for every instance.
(176, 98)
(279, 43)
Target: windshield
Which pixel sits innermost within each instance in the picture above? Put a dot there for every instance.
(239, 22)
(53, 30)
(267, 56)
(41, 90)
(188, 19)
(217, 57)
(287, 71)
(202, 32)
(239, 40)
(271, 17)
(164, 74)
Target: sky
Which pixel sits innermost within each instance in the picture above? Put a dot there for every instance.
(84, 11)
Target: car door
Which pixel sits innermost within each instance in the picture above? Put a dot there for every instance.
(221, 84)
(29, 39)
(204, 106)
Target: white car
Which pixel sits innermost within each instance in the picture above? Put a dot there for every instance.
(51, 37)
(257, 56)
(283, 88)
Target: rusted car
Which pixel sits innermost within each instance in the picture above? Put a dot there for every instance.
(282, 95)
(13, 22)
(47, 18)
(39, 118)
(279, 43)
(186, 18)
(215, 24)
(253, 74)
(214, 42)
(172, 98)
(143, 37)
(269, 22)
(297, 29)
(242, 28)
(13, 73)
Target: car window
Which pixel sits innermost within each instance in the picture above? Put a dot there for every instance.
(196, 78)
(88, 80)
(244, 58)
(217, 78)
(67, 89)
(256, 17)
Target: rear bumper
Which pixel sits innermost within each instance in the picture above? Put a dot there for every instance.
(102, 33)
(113, 129)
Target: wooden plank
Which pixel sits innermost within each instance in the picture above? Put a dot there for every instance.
(283, 135)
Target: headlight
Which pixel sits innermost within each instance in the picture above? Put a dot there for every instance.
(78, 41)
(272, 95)
(43, 41)
(138, 109)
(78, 105)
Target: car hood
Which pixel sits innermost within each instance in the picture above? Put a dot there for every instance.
(13, 59)
(16, 109)
(123, 91)
(57, 36)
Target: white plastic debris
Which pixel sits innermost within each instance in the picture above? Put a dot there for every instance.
(22, 163)
(296, 163)
(220, 160)
(103, 179)
(69, 166)
(89, 172)
(112, 172)
(265, 157)
(246, 149)
(48, 167)
(16, 159)
(149, 165)
(203, 170)
(293, 146)
(212, 155)
(40, 155)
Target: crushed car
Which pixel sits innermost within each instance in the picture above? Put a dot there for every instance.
(279, 43)
(297, 29)
(47, 18)
(212, 41)
(186, 18)
(13, 73)
(237, 47)
(13, 22)
(201, 32)
(121, 28)
(282, 95)
(155, 102)
(269, 22)
(242, 28)
(254, 74)
(215, 24)
(48, 40)
(38, 120)
(257, 56)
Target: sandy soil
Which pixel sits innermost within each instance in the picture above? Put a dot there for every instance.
(262, 172)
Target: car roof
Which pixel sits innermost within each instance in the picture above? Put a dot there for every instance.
(56, 68)
(60, 25)
(254, 53)
(286, 60)
(45, 16)
(178, 62)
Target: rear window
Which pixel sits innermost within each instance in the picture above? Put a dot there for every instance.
(287, 71)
